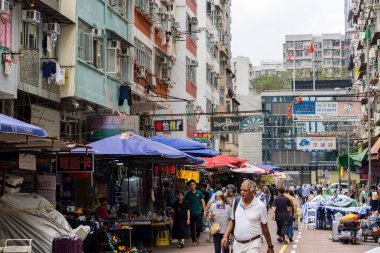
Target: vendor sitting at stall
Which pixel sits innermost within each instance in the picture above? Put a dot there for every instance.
(102, 211)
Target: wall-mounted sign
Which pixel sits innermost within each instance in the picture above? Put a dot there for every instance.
(189, 174)
(327, 111)
(203, 137)
(316, 143)
(252, 123)
(165, 169)
(100, 127)
(75, 163)
(27, 162)
(174, 125)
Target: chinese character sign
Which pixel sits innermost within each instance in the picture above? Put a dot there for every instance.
(327, 111)
(205, 137)
(75, 163)
(316, 143)
(165, 169)
(189, 174)
(168, 125)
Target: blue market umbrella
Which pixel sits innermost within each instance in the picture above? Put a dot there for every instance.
(131, 144)
(14, 126)
(190, 147)
(269, 167)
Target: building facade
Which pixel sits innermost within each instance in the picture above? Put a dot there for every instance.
(279, 136)
(329, 56)
(268, 67)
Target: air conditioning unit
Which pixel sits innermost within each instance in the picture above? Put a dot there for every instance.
(217, 75)
(115, 44)
(194, 21)
(98, 32)
(4, 7)
(125, 51)
(210, 67)
(163, 60)
(194, 63)
(212, 36)
(165, 16)
(141, 72)
(176, 24)
(53, 28)
(31, 16)
(161, 10)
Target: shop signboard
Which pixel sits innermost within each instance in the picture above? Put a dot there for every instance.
(316, 143)
(75, 163)
(174, 125)
(189, 174)
(100, 127)
(203, 137)
(165, 170)
(27, 162)
(253, 123)
(349, 111)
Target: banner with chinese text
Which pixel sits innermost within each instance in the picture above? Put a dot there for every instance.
(316, 143)
(174, 125)
(189, 174)
(202, 137)
(165, 170)
(75, 163)
(327, 111)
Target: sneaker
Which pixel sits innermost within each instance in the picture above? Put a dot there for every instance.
(194, 243)
(290, 239)
(181, 245)
(197, 242)
(279, 239)
(286, 241)
(209, 240)
(174, 241)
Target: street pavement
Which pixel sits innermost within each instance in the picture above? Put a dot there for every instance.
(305, 241)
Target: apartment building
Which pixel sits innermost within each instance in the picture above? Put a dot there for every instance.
(249, 144)
(329, 56)
(268, 67)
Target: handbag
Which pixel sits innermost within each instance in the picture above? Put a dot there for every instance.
(215, 228)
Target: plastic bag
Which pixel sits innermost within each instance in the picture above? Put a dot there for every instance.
(350, 216)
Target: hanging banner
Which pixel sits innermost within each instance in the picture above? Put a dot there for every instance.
(100, 127)
(316, 143)
(165, 170)
(75, 163)
(327, 111)
(203, 137)
(189, 174)
(27, 162)
(253, 123)
(175, 125)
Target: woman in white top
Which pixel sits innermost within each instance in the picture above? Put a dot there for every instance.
(220, 213)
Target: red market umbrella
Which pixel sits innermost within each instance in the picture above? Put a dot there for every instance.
(251, 169)
(223, 161)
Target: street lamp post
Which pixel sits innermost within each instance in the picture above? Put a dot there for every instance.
(348, 160)
(369, 111)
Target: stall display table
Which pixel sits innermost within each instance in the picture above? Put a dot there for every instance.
(151, 226)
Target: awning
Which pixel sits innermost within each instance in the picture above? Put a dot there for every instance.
(223, 161)
(269, 167)
(134, 145)
(251, 169)
(359, 157)
(14, 126)
(190, 147)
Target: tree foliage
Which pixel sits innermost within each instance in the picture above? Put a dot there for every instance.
(277, 81)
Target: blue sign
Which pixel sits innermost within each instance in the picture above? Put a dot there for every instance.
(304, 108)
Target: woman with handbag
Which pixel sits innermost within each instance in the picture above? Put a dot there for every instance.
(219, 216)
(181, 219)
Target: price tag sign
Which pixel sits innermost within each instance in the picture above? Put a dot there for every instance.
(189, 174)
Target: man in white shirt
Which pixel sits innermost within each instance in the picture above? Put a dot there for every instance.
(249, 222)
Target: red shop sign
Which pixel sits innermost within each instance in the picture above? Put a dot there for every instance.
(165, 169)
(75, 163)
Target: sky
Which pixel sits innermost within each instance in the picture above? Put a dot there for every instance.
(259, 26)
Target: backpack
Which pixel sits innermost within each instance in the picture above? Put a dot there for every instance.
(236, 203)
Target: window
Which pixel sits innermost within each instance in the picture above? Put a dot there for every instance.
(208, 106)
(209, 7)
(191, 71)
(161, 70)
(120, 6)
(5, 31)
(143, 55)
(208, 74)
(50, 45)
(143, 5)
(29, 36)
(85, 46)
(113, 64)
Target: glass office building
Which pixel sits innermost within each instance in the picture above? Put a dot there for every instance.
(279, 144)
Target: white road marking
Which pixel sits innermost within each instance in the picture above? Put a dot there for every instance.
(293, 251)
(299, 236)
(300, 232)
(297, 241)
(295, 246)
